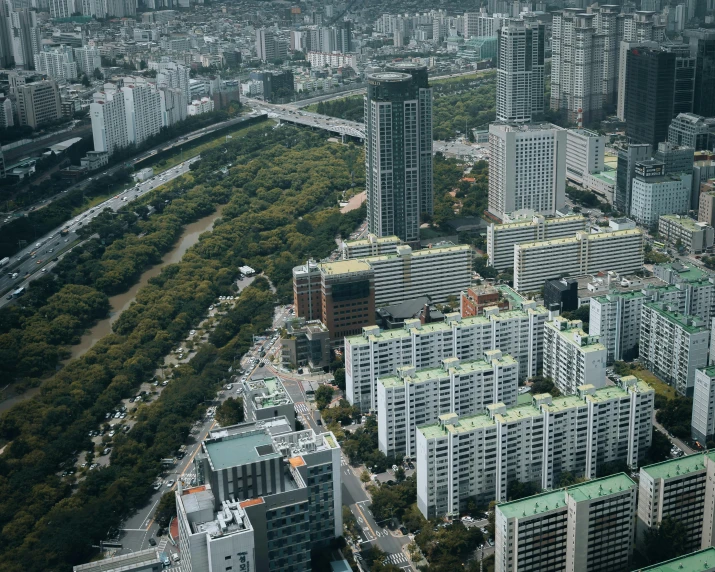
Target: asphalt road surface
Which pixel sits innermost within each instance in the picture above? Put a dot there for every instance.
(25, 267)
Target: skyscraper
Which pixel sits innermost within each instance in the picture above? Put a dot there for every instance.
(520, 71)
(109, 121)
(577, 66)
(703, 44)
(142, 105)
(25, 37)
(606, 24)
(424, 94)
(269, 47)
(392, 158)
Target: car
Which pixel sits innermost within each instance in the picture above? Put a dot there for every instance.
(106, 451)
(467, 519)
(229, 386)
(164, 383)
(169, 483)
(93, 466)
(111, 433)
(39, 261)
(123, 415)
(157, 485)
(152, 542)
(117, 414)
(9, 296)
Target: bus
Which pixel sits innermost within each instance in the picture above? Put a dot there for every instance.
(657, 244)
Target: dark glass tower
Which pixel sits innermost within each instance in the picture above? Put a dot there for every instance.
(703, 44)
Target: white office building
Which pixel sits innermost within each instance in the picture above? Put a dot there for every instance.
(527, 168)
(142, 105)
(586, 253)
(378, 353)
(57, 64)
(584, 527)
(673, 345)
(88, 60)
(572, 358)
(653, 195)
(501, 238)
(415, 397)
(520, 71)
(585, 151)
(702, 424)
(109, 121)
(477, 456)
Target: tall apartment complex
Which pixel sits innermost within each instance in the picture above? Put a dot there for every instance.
(527, 168)
(269, 46)
(577, 66)
(377, 353)
(142, 106)
(520, 71)
(88, 60)
(57, 64)
(702, 424)
(267, 495)
(38, 102)
(673, 345)
(109, 123)
(586, 527)
(501, 238)
(397, 119)
(477, 456)
(534, 262)
(416, 397)
(572, 358)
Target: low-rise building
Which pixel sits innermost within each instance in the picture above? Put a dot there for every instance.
(571, 357)
(476, 299)
(305, 344)
(673, 345)
(264, 399)
(415, 397)
(584, 527)
(141, 561)
(695, 237)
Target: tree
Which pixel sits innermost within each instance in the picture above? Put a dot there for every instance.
(365, 477)
(323, 396)
(664, 542)
(230, 412)
(339, 377)
(582, 313)
(659, 448)
(98, 74)
(166, 509)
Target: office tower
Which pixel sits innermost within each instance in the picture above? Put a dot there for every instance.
(62, 8)
(477, 457)
(7, 117)
(501, 238)
(142, 105)
(702, 42)
(377, 353)
(25, 37)
(628, 156)
(424, 95)
(527, 168)
(585, 151)
(691, 130)
(677, 489)
(344, 33)
(266, 497)
(88, 60)
(520, 71)
(585, 527)
(571, 357)
(702, 425)
(649, 95)
(586, 253)
(57, 64)
(684, 79)
(38, 103)
(269, 46)
(577, 66)
(392, 156)
(6, 46)
(414, 397)
(109, 121)
(655, 193)
(673, 345)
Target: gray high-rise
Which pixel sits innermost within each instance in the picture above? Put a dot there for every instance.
(398, 170)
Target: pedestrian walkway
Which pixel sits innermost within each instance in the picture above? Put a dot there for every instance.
(301, 407)
(396, 559)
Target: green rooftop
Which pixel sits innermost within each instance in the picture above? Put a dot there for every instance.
(570, 335)
(390, 381)
(701, 561)
(518, 413)
(687, 273)
(241, 449)
(563, 403)
(537, 504)
(677, 467)
(684, 221)
(709, 371)
(596, 488)
(682, 320)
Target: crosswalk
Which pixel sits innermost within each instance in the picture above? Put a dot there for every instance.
(301, 407)
(399, 558)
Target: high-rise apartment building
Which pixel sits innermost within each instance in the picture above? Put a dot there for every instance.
(142, 105)
(371, 245)
(501, 238)
(62, 8)
(109, 121)
(266, 496)
(174, 107)
(269, 46)
(88, 60)
(628, 156)
(57, 64)
(571, 357)
(607, 26)
(175, 75)
(673, 345)
(702, 425)
(25, 36)
(527, 168)
(577, 66)
(38, 102)
(586, 527)
(378, 353)
(395, 150)
(478, 456)
(520, 71)
(586, 253)
(424, 96)
(415, 397)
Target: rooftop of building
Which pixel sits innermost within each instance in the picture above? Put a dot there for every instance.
(615, 392)
(572, 332)
(606, 235)
(709, 371)
(267, 392)
(559, 404)
(353, 266)
(438, 248)
(534, 505)
(372, 239)
(629, 286)
(240, 450)
(684, 221)
(701, 561)
(686, 272)
(524, 127)
(677, 467)
(122, 563)
(517, 413)
(602, 487)
(607, 176)
(530, 222)
(688, 323)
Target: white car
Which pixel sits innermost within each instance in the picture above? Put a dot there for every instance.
(169, 483)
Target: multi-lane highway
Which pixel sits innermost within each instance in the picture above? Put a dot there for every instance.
(42, 255)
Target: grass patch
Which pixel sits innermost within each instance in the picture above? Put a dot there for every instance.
(661, 388)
